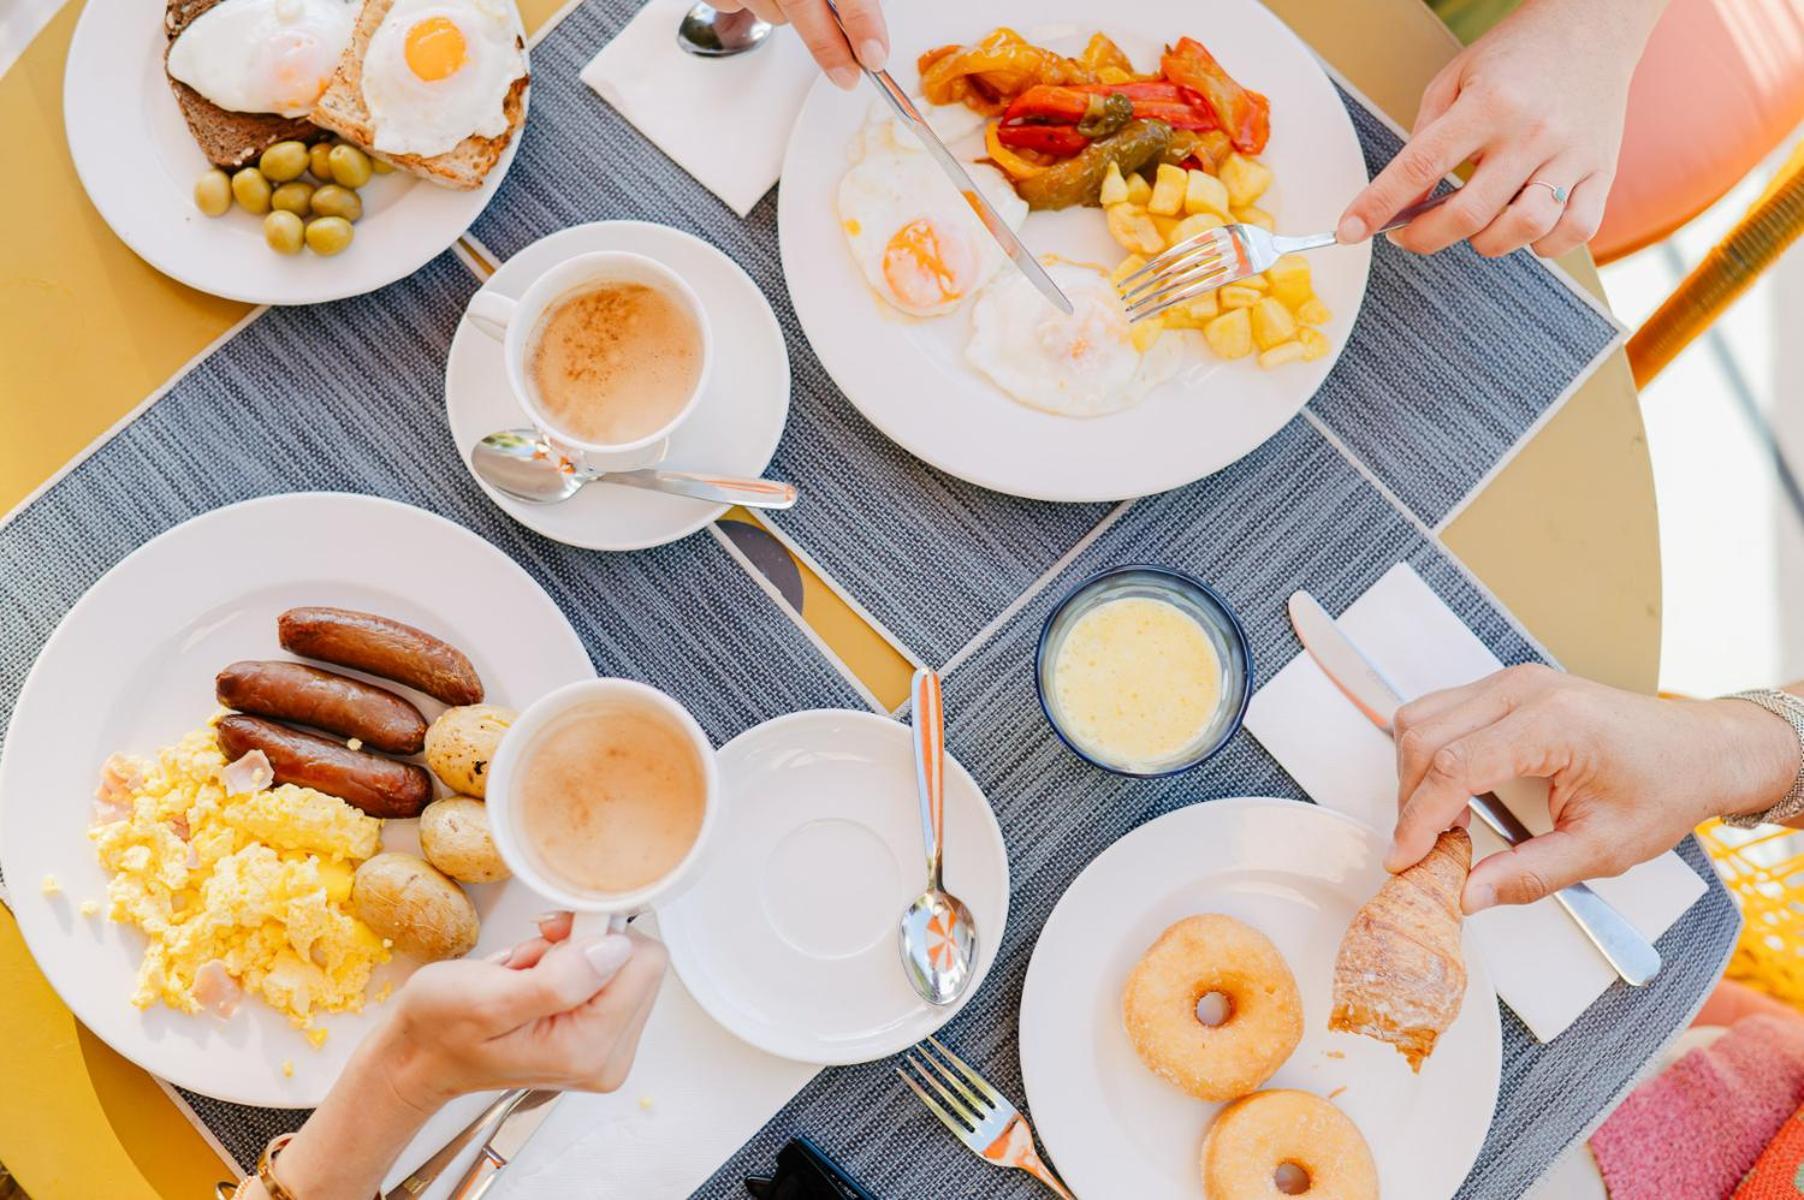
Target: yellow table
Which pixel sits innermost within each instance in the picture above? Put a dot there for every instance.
(1566, 536)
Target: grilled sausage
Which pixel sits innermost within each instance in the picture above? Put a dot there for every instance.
(366, 642)
(379, 786)
(309, 696)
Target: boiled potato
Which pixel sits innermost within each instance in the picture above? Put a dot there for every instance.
(1272, 324)
(461, 744)
(1313, 312)
(411, 903)
(1245, 178)
(1204, 193)
(1138, 190)
(1193, 225)
(1290, 282)
(1134, 229)
(1314, 342)
(454, 834)
(1194, 313)
(1145, 333)
(1277, 356)
(1167, 199)
(1114, 187)
(1235, 295)
(1231, 334)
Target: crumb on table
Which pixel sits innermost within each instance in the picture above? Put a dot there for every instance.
(645, 1103)
(51, 886)
(1337, 1091)
(288, 1068)
(90, 908)
(1334, 1054)
(316, 1036)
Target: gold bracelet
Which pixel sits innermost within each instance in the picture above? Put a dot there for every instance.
(266, 1168)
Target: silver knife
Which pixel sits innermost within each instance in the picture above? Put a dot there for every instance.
(1011, 245)
(1632, 956)
(432, 1168)
(516, 1130)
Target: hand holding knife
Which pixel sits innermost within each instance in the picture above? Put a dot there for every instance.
(1631, 955)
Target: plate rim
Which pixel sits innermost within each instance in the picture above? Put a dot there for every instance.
(26, 917)
(683, 961)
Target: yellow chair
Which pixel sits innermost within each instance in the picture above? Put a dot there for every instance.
(1764, 870)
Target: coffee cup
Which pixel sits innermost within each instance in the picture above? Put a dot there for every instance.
(574, 423)
(602, 798)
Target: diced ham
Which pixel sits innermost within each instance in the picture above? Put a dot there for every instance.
(120, 780)
(215, 990)
(247, 774)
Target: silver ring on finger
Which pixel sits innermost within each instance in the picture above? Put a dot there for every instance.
(1560, 194)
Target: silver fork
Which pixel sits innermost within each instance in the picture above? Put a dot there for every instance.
(978, 1115)
(1217, 257)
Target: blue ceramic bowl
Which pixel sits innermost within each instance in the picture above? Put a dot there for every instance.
(1193, 597)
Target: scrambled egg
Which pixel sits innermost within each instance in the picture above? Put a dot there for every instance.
(236, 893)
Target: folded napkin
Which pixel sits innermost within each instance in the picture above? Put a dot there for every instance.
(1694, 1130)
(726, 121)
(1541, 963)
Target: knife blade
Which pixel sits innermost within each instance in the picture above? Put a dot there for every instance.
(1631, 955)
(505, 1143)
(1020, 255)
(429, 1171)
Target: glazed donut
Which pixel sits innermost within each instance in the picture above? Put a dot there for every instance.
(1321, 1151)
(1194, 958)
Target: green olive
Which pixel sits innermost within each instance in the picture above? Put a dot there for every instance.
(294, 196)
(251, 190)
(213, 192)
(350, 166)
(328, 235)
(335, 201)
(283, 231)
(319, 161)
(381, 166)
(283, 161)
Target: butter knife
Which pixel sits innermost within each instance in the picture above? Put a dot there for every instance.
(1632, 956)
(1005, 237)
(432, 1168)
(505, 1144)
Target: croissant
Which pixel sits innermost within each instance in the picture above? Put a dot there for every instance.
(1399, 976)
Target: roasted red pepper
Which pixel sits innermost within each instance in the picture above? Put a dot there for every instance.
(1245, 115)
(1178, 107)
(1060, 141)
(1044, 102)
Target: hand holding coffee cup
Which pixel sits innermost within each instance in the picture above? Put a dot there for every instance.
(608, 353)
(601, 799)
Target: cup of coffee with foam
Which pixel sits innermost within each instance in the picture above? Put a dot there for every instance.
(602, 797)
(608, 353)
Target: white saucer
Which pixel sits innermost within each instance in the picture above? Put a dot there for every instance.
(789, 937)
(734, 429)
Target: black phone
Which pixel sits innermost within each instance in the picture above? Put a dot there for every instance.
(804, 1172)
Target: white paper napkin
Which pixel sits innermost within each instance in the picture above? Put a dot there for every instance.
(726, 121)
(1543, 966)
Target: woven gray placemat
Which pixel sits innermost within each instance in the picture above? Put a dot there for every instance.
(1292, 515)
(349, 397)
(1452, 360)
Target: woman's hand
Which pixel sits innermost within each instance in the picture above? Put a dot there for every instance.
(1541, 98)
(553, 1012)
(1630, 775)
(865, 39)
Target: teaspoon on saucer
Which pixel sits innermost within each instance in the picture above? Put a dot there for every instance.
(938, 935)
(519, 463)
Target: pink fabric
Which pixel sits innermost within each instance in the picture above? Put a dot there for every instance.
(1693, 1131)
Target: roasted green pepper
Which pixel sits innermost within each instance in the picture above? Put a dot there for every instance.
(1105, 115)
(1078, 180)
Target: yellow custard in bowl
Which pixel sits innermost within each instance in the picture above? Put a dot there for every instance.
(1144, 671)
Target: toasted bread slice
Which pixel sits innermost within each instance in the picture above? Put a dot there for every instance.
(228, 139)
(342, 110)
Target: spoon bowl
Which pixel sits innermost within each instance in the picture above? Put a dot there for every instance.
(709, 33)
(522, 464)
(938, 937)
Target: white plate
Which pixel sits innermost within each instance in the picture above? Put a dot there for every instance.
(909, 377)
(789, 937)
(1297, 873)
(734, 430)
(131, 669)
(138, 163)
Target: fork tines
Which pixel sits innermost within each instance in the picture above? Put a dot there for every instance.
(1184, 272)
(975, 1102)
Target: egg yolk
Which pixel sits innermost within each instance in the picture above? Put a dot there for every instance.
(917, 268)
(435, 49)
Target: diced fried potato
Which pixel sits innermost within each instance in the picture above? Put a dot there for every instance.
(1134, 229)
(1314, 342)
(1129, 265)
(1146, 332)
(1138, 190)
(1277, 356)
(1204, 193)
(1231, 334)
(1114, 187)
(1290, 280)
(1168, 191)
(1167, 226)
(1272, 324)
(1194, 224)
(1313, 312)
(1236, 296)
(1113, 75)
(1246, 179)
(1194, 313)
(1256, 282)
(1256, 216)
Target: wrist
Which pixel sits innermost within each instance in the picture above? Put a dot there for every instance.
(1763, 753)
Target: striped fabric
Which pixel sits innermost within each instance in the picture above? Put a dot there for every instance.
(685, 617)
(1452, 361)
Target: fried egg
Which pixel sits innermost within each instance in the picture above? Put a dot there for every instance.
(263, 56)
(1082, 365)
(919, 244)
(439, 71)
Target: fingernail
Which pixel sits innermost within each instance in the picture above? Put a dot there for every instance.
(500, 957)
(1479, 896)
(844, 78)
(1351, 229)
(607, 955)
(1393, 858)
(873, 54)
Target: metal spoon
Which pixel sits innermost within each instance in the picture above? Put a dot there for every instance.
(710, 33)
(939, 938)
(519, 463)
